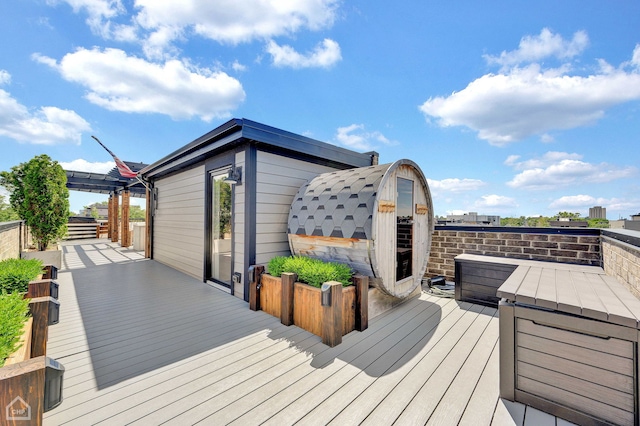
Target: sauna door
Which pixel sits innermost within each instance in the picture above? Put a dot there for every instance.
(404, 229)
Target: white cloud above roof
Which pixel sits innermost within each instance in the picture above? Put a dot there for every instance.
(44, 126)
(324, 55)
(527, 99)
(82, 165)
(438, 187)
(356, 137)
(120, 82)
(558, 169)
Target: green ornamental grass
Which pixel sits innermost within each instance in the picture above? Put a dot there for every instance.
(15, 274)
(14, 311)
(311, 271)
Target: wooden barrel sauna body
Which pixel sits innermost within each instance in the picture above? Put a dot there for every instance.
(377, 219)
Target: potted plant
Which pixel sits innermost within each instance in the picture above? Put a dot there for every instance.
(311, 274)
(40, 197)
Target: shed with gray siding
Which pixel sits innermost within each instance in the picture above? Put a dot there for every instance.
(378, 219)
(214, 230)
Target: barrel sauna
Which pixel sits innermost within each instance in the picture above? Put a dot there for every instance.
(376, 219)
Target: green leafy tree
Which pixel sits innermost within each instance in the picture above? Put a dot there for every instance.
(40, 197)
(136, 212)
(569, 215)
(7, 214)
(598, 223)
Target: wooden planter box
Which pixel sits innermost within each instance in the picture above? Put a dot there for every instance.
(23, 352)
(301, 304)
(307, 306)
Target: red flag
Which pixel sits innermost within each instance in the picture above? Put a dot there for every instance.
(123, 169)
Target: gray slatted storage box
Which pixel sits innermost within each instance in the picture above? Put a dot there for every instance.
(569, 345)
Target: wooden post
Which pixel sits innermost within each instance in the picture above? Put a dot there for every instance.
(288, 280)
(42, 288)
(50, 273)
(332, 313)
(507, 350)
(115, 237)
(41, 309)
(361, 283)
(126, 234)
(255, 275)
(22, 392)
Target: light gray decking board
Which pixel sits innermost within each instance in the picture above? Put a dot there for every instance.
(529, 286)
(281, 391)
(533, 417)
(335, 403)
(454, 402)
(427, 399)
(567, 293)
(508, 413)
(632, 303)
(292, 402)
(482, 404)
(590, 304)
(546, 293)
(389, 409)
(618, 312)
(252, 334)
(287, 393)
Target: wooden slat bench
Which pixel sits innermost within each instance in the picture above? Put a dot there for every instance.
(569, 343)
(479, 277)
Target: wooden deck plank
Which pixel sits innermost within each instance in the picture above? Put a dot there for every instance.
(176, 350)
(529, 287)
(617, 310)
(546, 296)
(591, 305)
(533, 417)
(510, 287)
(567, 293)
(508, 413)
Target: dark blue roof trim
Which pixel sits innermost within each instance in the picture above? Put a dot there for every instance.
(239, 131)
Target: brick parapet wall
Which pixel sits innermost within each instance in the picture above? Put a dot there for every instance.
(545, 244)
(9, 240)
(622, 261)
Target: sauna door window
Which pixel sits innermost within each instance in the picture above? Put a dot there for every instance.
(404, 229)
(221, 228)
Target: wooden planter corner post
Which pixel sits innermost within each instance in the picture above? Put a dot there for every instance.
(255, 275)
(288, 280)
(332, 313)
(361, 283)
(43, 310)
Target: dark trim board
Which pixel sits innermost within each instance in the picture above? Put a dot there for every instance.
(250, 180)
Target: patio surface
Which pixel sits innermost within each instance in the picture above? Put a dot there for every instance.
(145, 344)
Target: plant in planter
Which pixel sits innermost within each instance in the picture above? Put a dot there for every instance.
(311, 274)
(15, 274)
(14, 309)
(40, 197)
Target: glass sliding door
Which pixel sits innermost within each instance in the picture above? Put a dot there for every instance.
(221, 228)
(404, 229)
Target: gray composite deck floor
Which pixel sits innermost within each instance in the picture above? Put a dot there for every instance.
(145, 344)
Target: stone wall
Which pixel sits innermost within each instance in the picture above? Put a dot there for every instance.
(621, 259)
(578, 246)
(10, 240)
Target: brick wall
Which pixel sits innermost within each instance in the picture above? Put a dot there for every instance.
(621, 259)
(405, 235)
(576, 246)
(9, 240)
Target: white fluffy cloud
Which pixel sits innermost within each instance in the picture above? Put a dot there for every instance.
(325, 55)
(524, 99)
(45, 126)
(356, 137)
(582, 201)
(120, 82)
(82, 165)
(560, 169)
(438, 187)
(495, 202)
(158, 24)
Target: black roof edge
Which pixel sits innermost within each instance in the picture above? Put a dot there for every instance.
(243, 130)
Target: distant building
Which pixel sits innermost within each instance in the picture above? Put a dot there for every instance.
(633, 224)
(597, 212)
(103, 211)
(471, 218)
(565, 222)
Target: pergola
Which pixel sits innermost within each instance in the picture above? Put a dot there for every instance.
(117, 187)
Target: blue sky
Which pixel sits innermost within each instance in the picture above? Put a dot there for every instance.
(509, 108)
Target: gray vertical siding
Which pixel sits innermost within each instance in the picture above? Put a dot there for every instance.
(179, 221)
(238, 225)
(278, 180)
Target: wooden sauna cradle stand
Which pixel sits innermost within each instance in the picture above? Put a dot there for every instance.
(569, 344)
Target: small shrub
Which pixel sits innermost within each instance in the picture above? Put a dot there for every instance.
(311, 271)
(15, 274)
(13, 314)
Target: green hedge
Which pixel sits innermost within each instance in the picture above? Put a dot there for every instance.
(14, 310)
(15, 274)
(314, 272)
